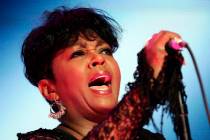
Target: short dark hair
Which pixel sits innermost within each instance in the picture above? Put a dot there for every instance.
(59, 30)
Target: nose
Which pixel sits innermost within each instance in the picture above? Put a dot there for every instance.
(96, 60)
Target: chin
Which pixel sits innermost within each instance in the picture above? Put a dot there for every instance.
(101, 110)
(105, 108)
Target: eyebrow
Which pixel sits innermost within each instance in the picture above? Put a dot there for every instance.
(83, 45)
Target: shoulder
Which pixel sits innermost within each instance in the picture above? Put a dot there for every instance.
(39, 134)
(54, 134)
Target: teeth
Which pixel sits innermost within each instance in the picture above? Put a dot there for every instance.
(103, 87)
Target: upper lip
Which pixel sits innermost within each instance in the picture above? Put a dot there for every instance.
(104, 77)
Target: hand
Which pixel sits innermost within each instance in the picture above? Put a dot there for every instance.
(155, 49)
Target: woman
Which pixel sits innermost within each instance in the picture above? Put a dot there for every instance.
(69, 58)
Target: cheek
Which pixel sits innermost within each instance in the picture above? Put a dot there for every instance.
(116, 72)
(68, 79)
(69, 87)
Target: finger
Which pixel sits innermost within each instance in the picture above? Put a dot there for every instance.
(167, 35)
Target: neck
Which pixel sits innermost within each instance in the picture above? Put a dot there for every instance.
(78, 129)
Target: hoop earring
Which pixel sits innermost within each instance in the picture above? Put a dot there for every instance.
(59, 110)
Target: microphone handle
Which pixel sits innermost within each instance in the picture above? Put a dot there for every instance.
(184, 128)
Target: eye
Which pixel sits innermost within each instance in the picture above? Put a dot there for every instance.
(77, 53)
(106, 51)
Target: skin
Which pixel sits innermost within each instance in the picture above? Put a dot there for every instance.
(73, 71)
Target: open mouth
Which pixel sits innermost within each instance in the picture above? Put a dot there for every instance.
(100, 82)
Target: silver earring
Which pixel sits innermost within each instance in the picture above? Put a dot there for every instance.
(59, 110)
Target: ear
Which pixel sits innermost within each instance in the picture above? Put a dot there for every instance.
(48, 90)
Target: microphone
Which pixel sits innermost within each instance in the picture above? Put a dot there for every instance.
(173, 46)
(177, 102)
(177, 44)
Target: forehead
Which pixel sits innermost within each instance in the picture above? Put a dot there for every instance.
(84, 43)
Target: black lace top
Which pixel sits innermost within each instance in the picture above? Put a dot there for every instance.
(46, 134)
(58, 134)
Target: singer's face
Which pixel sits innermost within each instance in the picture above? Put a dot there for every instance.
(87, 78)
